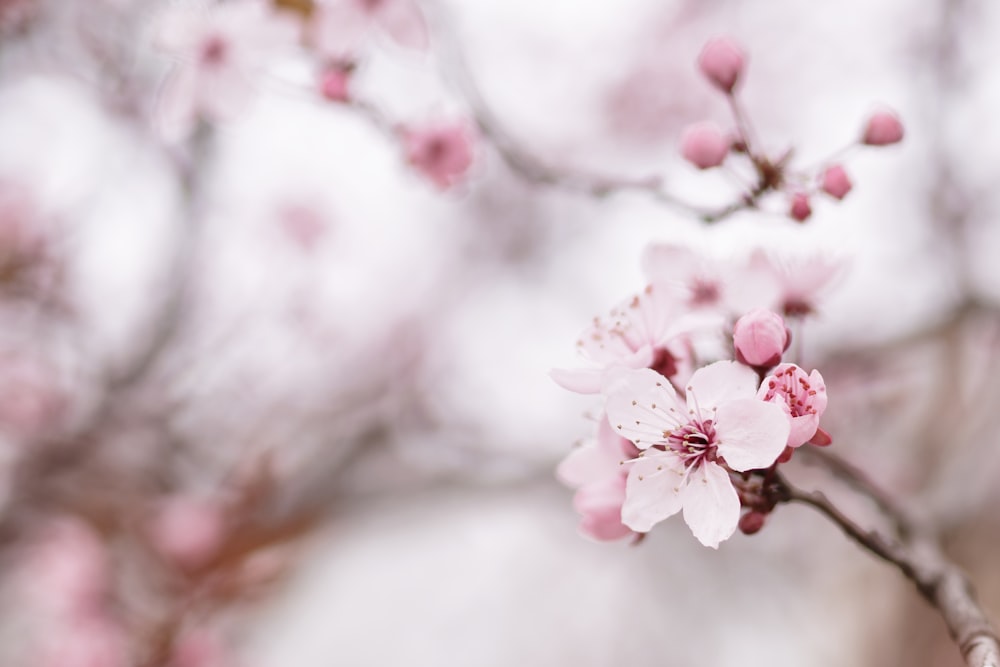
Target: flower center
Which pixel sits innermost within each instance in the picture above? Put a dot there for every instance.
(694, 442)
(795, 389)
(664, 362)
(704, 293)
(213, 51)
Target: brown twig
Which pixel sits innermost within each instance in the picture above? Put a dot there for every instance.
(920, 558)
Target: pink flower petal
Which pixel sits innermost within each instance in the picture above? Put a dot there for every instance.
(711, 506)
(752, 433)
(579, 380)
(640, 405)
(404, 22)
(600, 506)
(652, 491)
(719, 383)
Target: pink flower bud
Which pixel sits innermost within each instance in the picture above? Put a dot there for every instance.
(443, 153)
(704, 145)
(188, 531)
(334, 83)
(800, 209)
(884, 128)
(835, 182)
(722, 62)
(760, 337)
(752, 522)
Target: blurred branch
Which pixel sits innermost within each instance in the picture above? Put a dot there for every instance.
(919, 556)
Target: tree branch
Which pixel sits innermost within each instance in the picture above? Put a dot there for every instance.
(919, 556)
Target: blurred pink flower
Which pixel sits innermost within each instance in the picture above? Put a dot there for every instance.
(705, 283)
(796, 285)
(71, 569)
(91, 642)
(650, 330)
(441, 152)
(802, 396)
(220, 50)
(688, 444)
(598, 470)
(799, 208)
(340, 28)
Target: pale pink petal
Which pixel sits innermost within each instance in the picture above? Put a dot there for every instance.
(225, 93)
(803, 428)
(404, 23)
(642, 405)
(652, 491)
(751, 434)
(711, 506)
(600, 506)
(580, 380)
(718, 383)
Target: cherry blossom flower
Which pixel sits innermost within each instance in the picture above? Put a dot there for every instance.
(796, 284)
(690, 445)
(650, 330)
(704, 283)
(802, 396)
(340, 28)
(598, 470)
(219, 50)
(835, 182)
(442, 152)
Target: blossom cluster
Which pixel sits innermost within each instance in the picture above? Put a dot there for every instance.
(699, 405)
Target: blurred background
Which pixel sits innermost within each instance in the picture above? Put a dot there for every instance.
(276, 336)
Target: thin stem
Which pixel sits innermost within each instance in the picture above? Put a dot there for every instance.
(920, 558)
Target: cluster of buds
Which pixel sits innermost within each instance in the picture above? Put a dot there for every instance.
(699, 405)
(705, 145)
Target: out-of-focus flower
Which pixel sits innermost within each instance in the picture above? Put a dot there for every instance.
(220, 51)
(796, 284)
(442, 152)
(802, 396)
(650, 330)
(687, 445)
(88, 642)
(835, 182)
(721, 62)
(340, 28)
(883, 128)
(704, 145)
(598, 470)
(759, 338)
(704, 283)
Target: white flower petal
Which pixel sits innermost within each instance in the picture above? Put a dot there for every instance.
(642, 404)
(711, 506)
(652, 491)
(718, 383)
(751, 433)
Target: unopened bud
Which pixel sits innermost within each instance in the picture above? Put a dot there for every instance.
(722, 62)
(800, 209)
(883, 128)
(334, 83)
(760, 337)
(752, 522)
(835, 182)
(704, 145)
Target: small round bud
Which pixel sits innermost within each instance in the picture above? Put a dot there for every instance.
(752, 522)
(760, 337)
(704, 145)
(835, 182)
(722, 62)
(800, 209)
(334, 84)
(883, 128)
